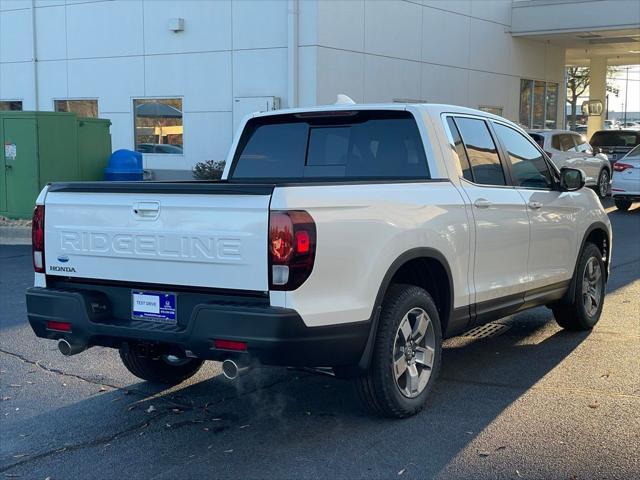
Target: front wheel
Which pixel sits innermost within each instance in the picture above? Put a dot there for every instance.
(166, 369)
(622, 204)
(603, 183)
(586, 306)
(406, 356)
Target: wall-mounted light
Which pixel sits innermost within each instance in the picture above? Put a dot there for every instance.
(176, 25)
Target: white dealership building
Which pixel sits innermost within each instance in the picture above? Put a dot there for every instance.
(203, 65)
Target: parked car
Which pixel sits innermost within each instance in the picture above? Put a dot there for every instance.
(631, 125)
(345, 236)
(570, 149)
(159, 148)
(626, 180)
(615, 143)
(612, 124)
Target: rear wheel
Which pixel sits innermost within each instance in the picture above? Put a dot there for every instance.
(586, 307)
(603, 183)
(166, 369)
(406, 356)
(623, 205)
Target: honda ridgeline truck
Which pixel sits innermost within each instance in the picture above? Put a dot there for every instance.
(353, 237)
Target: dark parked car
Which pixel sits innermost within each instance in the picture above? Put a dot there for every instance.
(615, 143)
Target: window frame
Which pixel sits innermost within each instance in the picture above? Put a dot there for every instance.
(133, 120)
(13, 100)
(506, 172)
(247, 132)
(95, 99)
(503, 154)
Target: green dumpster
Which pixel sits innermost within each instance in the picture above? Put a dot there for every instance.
(42, 147)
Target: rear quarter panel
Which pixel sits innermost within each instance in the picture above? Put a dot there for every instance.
(362, 229)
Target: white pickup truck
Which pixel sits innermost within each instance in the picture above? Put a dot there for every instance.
(353, 237)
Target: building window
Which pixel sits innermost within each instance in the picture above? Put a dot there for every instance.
(15, 105)
(83, 108)
(538, 104)
(158, 125)
(490, 109)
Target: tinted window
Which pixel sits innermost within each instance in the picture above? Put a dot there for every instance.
(615, 139)
(462, 155)
(274, 151)
(482, 151)
(366, 144)
(539, 139)
(527, 163)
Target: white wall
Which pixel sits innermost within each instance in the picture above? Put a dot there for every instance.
(457, 52)
(115, 51)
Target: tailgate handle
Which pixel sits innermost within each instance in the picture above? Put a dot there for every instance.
(149, 210)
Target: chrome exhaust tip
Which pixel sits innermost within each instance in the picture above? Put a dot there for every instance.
(67, 349)
(231, 370)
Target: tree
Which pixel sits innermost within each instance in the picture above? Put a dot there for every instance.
(578, 79)
(577, 83)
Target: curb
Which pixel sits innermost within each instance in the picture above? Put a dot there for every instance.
(11, 235)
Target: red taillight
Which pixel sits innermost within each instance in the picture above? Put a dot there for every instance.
(292, 248)
(621, 167)
(37, 239)
(230, 345)
(59, 326)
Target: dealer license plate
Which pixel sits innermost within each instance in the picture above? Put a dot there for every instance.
(154, 306)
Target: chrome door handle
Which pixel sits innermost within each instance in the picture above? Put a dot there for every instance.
(535, 205)
(147, 209)
(482, 203)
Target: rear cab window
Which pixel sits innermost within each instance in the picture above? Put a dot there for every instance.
(338, 145)
(615, 138)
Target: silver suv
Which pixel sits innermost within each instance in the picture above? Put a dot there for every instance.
(570, 149)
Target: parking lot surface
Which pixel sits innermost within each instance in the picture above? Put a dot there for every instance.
(527, 401)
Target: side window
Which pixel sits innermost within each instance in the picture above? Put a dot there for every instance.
(555, 142)
(528, 166)
(581, 144)
(567, 144)
(462, 154)
(482, 151)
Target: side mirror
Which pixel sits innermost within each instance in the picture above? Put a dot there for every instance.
(571, 179)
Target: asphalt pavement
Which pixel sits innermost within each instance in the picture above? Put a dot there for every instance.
(530, 401)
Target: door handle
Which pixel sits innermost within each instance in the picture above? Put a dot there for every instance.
(147, 209)
(535, 205)
(482, 203)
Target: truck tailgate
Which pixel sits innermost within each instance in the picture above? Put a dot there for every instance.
(188, 234)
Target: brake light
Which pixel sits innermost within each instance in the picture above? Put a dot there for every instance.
(230, 345)
(292, 248)
(621, 167)
(59, 326)
(37, 239)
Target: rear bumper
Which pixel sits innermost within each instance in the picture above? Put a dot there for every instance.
(274, 336)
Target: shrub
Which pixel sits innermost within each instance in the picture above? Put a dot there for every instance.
(208, 170)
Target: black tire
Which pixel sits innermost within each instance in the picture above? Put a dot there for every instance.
(602, 187)
(622, 205)
(378, 388)
(574, 315)
(159, 370)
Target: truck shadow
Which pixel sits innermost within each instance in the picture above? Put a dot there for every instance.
(283, 424)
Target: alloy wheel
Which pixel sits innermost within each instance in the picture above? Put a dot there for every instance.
(603, 186)
(413, 353)
(592, 286)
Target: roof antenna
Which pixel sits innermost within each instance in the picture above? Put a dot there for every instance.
(344, 100)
